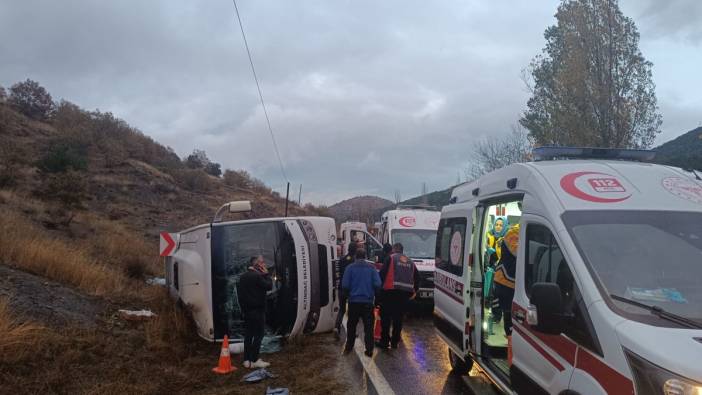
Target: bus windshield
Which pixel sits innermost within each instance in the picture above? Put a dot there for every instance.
(418, 243)
(651, 257)
(235, 245)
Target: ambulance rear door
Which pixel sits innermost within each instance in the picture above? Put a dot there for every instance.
(451, 277)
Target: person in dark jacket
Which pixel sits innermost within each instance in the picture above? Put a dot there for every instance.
(251, 292)
(384, 254)
(347, 260)
(400, 279)
(360, 284)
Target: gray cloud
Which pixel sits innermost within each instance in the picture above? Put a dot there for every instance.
(672, 19)
(364, 97)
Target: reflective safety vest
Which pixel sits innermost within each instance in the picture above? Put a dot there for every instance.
(400, 275)
(507, 265)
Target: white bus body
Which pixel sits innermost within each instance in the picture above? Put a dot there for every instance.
(300, 253)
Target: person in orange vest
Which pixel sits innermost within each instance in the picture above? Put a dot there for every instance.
(504, 275)
(400, 280)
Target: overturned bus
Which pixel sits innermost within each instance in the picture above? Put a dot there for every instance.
(204, 271)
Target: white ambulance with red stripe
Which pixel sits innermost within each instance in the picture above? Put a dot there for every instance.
(415, 228)
(608, 279)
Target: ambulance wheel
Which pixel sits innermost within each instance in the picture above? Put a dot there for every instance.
(458, 365)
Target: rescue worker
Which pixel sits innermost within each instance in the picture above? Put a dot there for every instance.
(400, 284)
(493, 238)
(251, 291)
(384, 255)
(493, 241)
(347, 260)
(504, 275)
(360, 284)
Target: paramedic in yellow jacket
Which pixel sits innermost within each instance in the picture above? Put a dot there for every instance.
(493, 239)
(504, 275)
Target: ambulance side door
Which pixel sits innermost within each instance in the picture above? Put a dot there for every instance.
(542, 363)
(450, 278)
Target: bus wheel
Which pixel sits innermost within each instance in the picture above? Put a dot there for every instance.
(458, 365)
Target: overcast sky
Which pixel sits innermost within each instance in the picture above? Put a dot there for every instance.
(365, 97)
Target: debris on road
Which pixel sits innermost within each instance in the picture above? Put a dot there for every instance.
(160, 281)
(258, 375)
(136, 315)
(277, 391)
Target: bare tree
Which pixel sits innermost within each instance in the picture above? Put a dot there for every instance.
(591, 86)
(495, 152)
(398, 197)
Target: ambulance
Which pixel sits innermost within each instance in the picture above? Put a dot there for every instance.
(608, 283)
(357, 232)
(203, 272)
(415, 228)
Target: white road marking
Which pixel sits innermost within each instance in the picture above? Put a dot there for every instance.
(376, 377)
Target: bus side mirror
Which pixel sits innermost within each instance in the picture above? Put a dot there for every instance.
(546, 301)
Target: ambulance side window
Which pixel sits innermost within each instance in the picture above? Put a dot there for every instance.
(545, 263)
(450, 244)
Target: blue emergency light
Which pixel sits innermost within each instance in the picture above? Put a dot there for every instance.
(553, 152)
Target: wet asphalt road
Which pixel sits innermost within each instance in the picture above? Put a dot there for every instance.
(420, 364)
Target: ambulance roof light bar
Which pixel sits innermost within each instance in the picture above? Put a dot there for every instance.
(553, 153)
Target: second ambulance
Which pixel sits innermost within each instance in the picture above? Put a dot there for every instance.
(415, 228)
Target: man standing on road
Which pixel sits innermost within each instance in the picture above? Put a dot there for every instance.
(251, 292)
(360, 283)
(400, 284)
(347, 260)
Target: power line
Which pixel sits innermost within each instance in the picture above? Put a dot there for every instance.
(260, 95)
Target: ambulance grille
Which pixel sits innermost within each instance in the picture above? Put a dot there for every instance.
(426, 279)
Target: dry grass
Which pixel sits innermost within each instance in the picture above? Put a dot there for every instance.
(29, 247)
(121, 248)
(172, 325)
(16, 338)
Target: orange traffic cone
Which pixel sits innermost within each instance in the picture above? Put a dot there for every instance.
(377, 331)
(225, 360)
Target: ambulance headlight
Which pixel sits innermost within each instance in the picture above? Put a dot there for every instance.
(651, 379)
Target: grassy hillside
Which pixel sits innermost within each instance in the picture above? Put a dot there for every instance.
(83, 196)
(360, 208)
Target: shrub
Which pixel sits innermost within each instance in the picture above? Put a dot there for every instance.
(68, 188)
(237, 179)
(193, 179)
(63, 156)
(199, 160)
(32, 100)
(213, 169)
(10, 160)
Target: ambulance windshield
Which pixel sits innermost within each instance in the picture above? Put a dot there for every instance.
(418, 243)
(653, 257)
